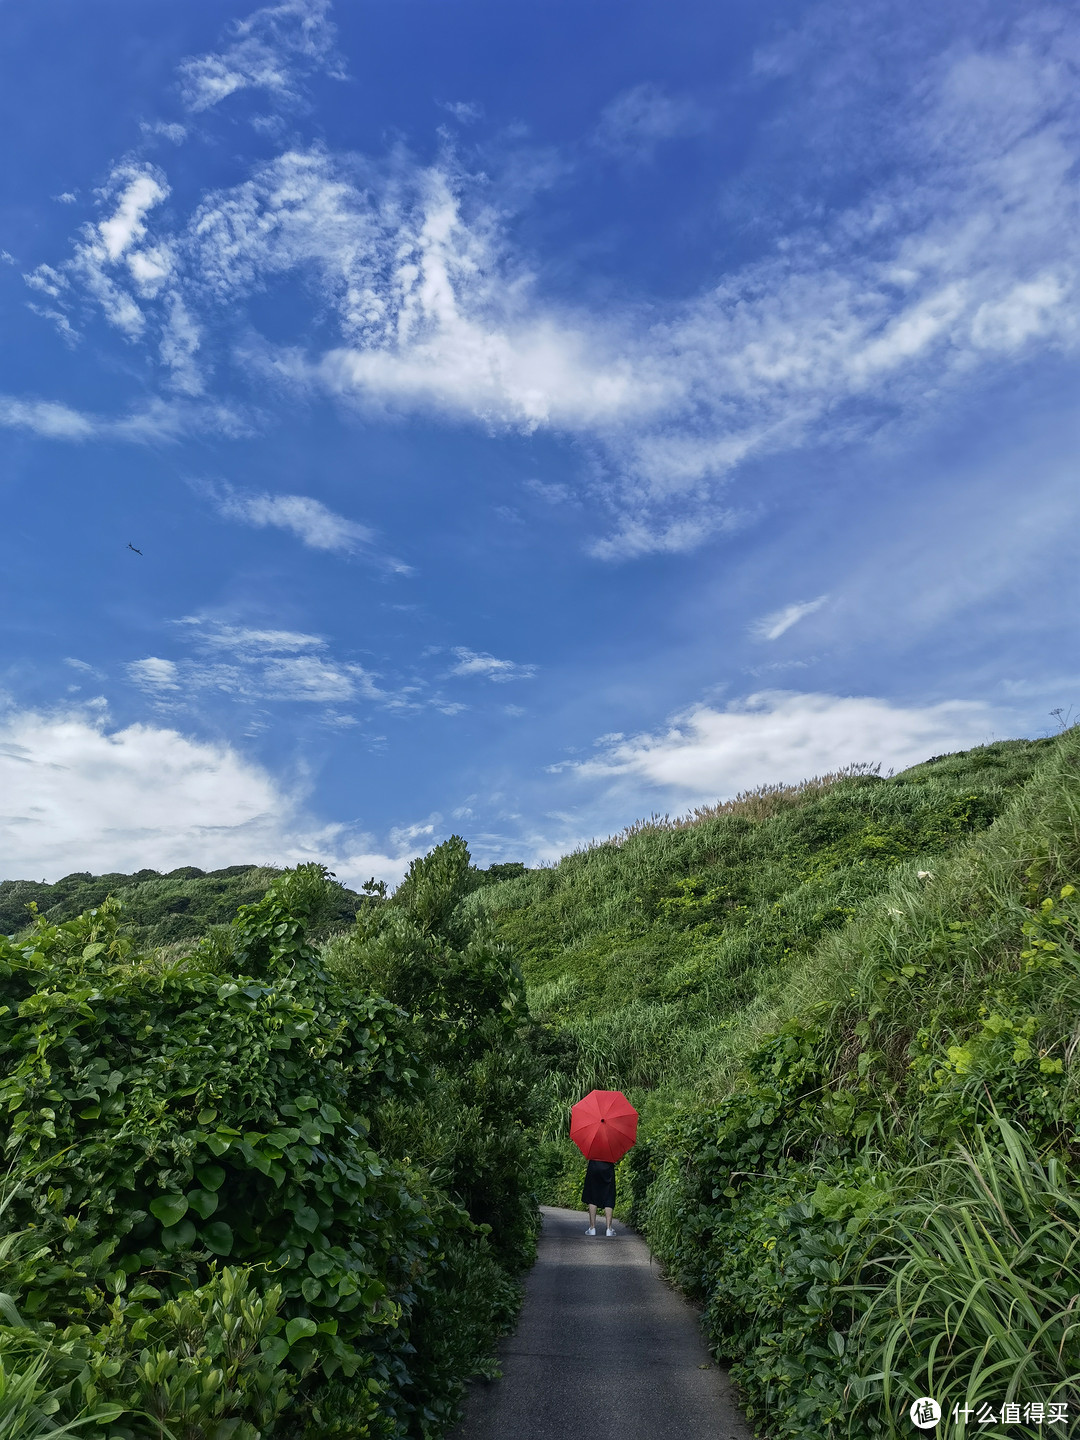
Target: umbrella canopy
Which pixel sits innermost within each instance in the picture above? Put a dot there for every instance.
(604, 1125)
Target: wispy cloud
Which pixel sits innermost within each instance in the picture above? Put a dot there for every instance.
(465, 112)
(772, 626)
(635, 122)
(133, 279)
(155, 422)
(46, 418)
(154, 675)
(253, 665)
(487, 667)
(272, 50)
(308, 519)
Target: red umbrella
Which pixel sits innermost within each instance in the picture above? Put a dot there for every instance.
(604, 1125)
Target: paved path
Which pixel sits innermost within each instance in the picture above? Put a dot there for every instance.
(605, 1350)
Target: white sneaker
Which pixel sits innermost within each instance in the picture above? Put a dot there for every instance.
(610, 1233)
(590, 1231)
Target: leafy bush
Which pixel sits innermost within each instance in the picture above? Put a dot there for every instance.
(166, 1113)
(469, 1122)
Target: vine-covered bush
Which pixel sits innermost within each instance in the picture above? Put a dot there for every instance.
(216, 1240)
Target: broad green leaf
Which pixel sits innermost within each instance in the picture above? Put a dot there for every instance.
(169, 1209)
(178, 1237)
(307, 1218)
(299, 1329)
(203, 1203)
(211, 1177)
(217, 1144)
(105, 1414)
(306, 1102)
(274, 1351)
(144, 1291)
(218, 1237)
(91, 951)
(320, 1263)
(101, 1253)
(311, 1289)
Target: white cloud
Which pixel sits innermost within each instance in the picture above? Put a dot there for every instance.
(46, 418)
(465, 112)
(636, 121)
(132, 278)
(127, 225)
(271, 50)
(247, 641)
(305, 517)
(552, 493)
(472, 663)
(154, 674)
(774, 735)
(78, 795)
(156, 422)
(253, 665)
(180, 342)
(308, 677)
(771, 627)
(166, 129)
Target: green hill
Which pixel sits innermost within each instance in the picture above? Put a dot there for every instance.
(162, 909)
(847, 1012)
(180, 905)
(646, 954)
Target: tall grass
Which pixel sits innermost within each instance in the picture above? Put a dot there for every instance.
(975, 1298)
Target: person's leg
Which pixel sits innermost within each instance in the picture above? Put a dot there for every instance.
(607, 1217)
(592, 1217)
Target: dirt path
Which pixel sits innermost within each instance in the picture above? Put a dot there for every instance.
(605, 1350)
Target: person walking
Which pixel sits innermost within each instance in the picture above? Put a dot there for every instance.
(598, 1191)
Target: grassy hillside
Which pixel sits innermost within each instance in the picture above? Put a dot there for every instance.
(848, 1014)
(645, 954)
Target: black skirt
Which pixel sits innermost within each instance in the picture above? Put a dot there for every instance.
(599, 1187)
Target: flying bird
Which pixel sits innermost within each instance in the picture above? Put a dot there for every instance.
(132, 547)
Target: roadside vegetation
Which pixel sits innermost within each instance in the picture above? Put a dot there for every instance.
(277, 1177)
(246, 1193)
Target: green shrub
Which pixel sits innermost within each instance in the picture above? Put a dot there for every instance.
(169, 1112)
(469, 1121)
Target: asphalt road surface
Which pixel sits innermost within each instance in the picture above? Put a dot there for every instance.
(605, 1350)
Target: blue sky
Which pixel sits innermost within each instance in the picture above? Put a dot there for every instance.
(530, 416)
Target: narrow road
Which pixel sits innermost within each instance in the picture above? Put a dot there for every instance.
(604, 1350)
